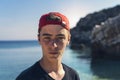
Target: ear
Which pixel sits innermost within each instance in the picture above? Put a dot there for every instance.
(69, 37)
(38, 38)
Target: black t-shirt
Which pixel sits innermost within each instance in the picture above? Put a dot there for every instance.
(36, 72)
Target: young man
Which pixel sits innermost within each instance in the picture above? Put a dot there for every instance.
(53, 36)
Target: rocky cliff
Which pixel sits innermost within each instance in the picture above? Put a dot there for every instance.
(82, 32)
(105, 39)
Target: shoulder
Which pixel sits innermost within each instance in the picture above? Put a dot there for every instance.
(70, 72)
(30, 72)
(69, 69)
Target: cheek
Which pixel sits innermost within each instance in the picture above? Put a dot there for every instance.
(44, 45)
(62, 45)
(43, 42)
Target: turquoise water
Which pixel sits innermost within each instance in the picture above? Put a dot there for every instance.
(15, 56)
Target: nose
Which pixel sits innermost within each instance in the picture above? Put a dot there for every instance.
(53, 44)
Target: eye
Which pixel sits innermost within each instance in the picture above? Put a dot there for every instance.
(60, 39)
(46, 39)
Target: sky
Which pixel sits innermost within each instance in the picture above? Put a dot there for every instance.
(19, 18)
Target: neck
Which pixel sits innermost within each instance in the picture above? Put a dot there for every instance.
(50, 66)
(54, 69)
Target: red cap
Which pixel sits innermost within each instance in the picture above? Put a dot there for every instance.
(54, 18)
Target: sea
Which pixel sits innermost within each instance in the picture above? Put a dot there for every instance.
(16, 56)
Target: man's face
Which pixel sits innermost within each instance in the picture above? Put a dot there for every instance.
(53, 40)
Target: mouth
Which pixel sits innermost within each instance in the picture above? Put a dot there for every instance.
(53, 52)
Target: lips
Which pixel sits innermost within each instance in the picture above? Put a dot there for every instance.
(53, 52)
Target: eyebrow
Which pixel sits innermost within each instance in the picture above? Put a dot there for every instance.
(46, 34)
(60, 35)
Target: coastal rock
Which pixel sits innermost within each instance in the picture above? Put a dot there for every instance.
(105, 39)
(82, 32)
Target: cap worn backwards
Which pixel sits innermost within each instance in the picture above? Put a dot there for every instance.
(54, 18)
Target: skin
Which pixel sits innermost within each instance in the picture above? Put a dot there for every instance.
(53, 40)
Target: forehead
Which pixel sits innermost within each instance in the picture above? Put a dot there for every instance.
(53, 29)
